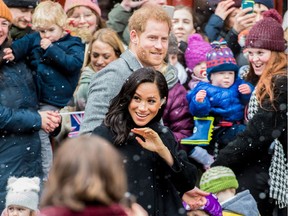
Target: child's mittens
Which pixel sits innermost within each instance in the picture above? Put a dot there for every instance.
(212, 206)
(202, 156)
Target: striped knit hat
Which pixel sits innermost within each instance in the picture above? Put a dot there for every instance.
(220, 58)
(218, 178)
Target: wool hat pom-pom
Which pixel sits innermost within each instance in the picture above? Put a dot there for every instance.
(195, 37)
(273, 14)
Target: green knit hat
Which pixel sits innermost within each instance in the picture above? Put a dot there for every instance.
(218, 178)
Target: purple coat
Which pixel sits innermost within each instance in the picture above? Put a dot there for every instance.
(176, 114)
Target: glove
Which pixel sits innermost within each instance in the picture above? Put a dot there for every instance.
(212, 206)
(201, 155)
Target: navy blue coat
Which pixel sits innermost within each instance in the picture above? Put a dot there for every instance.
(57, 68)
(20, 147)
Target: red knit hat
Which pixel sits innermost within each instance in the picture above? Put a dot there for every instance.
(267, 33)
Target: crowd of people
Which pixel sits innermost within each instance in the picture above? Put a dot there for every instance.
(182, 115)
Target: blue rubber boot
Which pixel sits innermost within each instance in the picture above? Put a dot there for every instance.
(202, 132)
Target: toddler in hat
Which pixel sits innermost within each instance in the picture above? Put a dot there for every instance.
(222, 182)
(224, 97)
(22, 196)
(195, 57)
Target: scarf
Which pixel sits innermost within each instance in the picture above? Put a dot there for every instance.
(278, 170)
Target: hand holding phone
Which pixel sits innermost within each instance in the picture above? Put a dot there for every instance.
(247, 4)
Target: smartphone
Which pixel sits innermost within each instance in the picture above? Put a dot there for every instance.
(247, 4)
(169, 9)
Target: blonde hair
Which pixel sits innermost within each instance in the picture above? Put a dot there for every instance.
(138, 20)
(108, 36)
(85, 170)
(48, 13)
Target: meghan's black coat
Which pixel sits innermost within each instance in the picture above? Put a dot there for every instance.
(157, 186)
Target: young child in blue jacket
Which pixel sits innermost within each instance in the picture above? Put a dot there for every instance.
(224, 97)
(56, 57)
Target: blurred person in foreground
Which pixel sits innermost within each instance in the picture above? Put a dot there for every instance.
(94, 186)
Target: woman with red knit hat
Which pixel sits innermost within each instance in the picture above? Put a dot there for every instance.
(258, 156)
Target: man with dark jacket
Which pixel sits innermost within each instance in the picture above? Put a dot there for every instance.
(22, 16)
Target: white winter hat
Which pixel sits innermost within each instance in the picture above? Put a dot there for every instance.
(23, 192)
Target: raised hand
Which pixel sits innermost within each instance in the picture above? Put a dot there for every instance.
(45, 43)
(244, 89)
(153, 142)
(200, 96)
(8, 54)
(244, 20)
(195, 198)
(128, 5)
(224, 8)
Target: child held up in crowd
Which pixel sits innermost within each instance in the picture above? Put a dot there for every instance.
(195, 57)
(222, 182)
(22, 196)
(56, 57)
(224, 98)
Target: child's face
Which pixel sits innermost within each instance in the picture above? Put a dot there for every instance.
(52, 32)
(173, 59)
(200, 70)
(223, 79)
(15, 210)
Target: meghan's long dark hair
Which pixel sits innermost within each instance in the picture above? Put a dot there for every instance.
(118, 117)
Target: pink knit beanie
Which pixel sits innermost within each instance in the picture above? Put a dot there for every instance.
(93, 4)
(196, 50)
(267, 33)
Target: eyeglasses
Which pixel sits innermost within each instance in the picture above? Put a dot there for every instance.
(85, 16)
